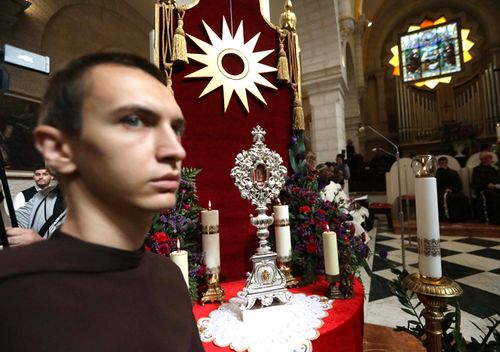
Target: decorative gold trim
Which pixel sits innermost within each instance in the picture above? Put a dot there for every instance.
(281, 222)
(209, 229)
(429, 247)
(442, 287)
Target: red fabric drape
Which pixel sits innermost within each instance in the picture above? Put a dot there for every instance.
(213, 137)
(343, 327)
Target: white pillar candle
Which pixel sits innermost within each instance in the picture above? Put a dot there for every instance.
(180, 258)
(282, 232)
(498, 131)
(210, 237)
(426, 203)
(331, 253)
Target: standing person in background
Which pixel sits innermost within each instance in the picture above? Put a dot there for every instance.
(39, 218)
(42, 179)
(350, 152)
(110, 129)
(342, 171)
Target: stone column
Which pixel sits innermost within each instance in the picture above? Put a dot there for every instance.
(328, 120)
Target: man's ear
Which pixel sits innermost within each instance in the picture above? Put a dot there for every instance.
(55, 149)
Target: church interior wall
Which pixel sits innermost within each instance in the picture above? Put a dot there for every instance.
(391, 20)
(62, 30)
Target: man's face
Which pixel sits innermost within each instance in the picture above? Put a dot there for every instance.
(42, 178)
(129, 153)
(443, 164)
(486, 159)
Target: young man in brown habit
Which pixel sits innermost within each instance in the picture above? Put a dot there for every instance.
(111, 131)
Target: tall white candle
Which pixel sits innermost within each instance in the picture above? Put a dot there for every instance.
(282, 232)
(180, 258)
(426, 203)
(331, 253)
(210, 237)
(498, 131)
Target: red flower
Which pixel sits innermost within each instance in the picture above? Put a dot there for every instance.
(304, 209)
(321, 212)
(160, 237)
(311, 247)
(147, 248)
(296, 189)
(310, 177)
(163, 249)
(186, 206)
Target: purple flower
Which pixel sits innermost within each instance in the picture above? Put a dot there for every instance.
(293, 140)
(383, 254)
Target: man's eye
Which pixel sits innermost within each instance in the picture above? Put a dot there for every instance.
(179, 132)
(133, 121)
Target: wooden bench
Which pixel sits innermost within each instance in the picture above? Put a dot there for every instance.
(381, 208)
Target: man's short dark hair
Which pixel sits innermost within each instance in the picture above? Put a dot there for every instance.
(443, 158)
(62, 103)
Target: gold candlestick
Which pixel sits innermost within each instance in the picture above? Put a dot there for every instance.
(333, 291)
(214, 291)
(285, 268)
(434, 294)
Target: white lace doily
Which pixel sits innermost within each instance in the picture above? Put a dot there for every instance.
(286, 328)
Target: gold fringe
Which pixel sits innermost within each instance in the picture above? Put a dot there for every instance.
(298, 113)
(283, 75)
(179, 48)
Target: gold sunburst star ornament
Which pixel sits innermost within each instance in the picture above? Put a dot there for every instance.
(215, 52)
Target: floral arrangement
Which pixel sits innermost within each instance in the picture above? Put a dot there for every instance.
(181, 223)
(310, 214)
(452, 131)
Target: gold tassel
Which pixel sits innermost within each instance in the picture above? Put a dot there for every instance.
(298, 114)
(179, 48)
(168, 73)
(283, 75)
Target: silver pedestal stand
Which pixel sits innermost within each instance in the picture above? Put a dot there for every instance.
(259, 176)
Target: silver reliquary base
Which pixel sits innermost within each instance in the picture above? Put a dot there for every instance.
(266, 283)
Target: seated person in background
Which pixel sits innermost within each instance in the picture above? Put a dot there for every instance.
(486, 183)
(42, 179)
(310, 161)
(453, 204)
(324, 175)
(38, 218)
(111, 131)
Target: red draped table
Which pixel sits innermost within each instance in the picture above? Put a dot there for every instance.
(343, 327)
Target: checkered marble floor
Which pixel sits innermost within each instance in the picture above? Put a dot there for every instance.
(473, 262)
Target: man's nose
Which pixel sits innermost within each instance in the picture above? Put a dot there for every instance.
(169, 145)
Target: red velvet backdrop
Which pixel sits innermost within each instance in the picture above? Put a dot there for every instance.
(213, 137)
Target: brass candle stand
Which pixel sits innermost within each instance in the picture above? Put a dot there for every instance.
(434, 294)
(285, 267)
(214, 291)
(332, 291)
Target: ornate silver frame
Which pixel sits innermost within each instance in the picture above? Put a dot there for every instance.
(259, 176)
